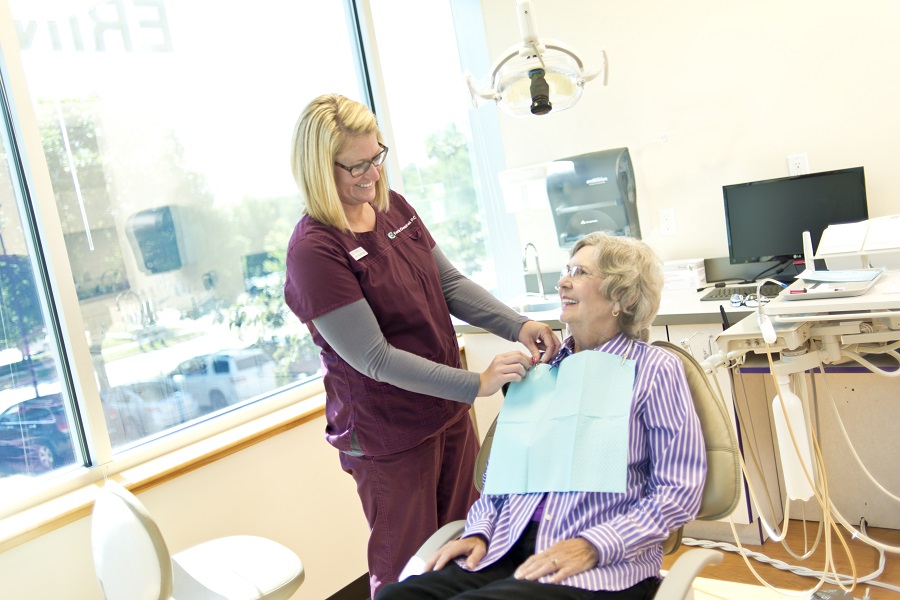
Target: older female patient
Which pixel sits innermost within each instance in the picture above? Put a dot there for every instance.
(579, 544)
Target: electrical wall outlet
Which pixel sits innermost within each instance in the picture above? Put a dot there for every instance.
(797, 164)
(667, 224)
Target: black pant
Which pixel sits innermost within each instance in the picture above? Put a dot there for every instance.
(496, 582)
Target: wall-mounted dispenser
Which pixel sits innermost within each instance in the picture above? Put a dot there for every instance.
(593, 192)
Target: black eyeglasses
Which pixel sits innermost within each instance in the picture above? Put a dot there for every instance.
(363, 167)
(750, 300)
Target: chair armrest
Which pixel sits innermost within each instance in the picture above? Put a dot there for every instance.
(447, 533)
(678, 583)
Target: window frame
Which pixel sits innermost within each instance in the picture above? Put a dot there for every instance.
(79, 382)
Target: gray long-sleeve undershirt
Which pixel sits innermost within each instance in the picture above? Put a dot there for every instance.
(353, 332)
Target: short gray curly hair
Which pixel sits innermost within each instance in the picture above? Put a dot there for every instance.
(633, 277)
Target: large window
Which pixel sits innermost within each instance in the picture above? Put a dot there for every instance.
(430, 110)
(148, 200)
(165, 127)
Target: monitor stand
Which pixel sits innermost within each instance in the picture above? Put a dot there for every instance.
(786, 279)
(783, 263)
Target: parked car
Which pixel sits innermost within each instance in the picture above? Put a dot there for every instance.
(34, 435)
(142, 408)
(225, 377)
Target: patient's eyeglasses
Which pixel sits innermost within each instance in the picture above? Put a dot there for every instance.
(576, 272)
(363, 167)
(750, 300)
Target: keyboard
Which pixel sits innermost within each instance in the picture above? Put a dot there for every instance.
(725, 293)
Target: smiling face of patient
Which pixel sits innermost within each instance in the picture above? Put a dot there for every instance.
(585, 310)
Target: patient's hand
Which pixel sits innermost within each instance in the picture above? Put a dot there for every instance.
(560, 561)
(473, 547)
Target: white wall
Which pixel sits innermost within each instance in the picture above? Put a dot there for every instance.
(707, 93)
(289, 488)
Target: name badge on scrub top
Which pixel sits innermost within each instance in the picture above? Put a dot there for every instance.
(565, 429)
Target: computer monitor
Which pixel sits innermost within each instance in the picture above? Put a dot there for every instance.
(765, 220)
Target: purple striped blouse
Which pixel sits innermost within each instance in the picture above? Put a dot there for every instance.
(666, 471)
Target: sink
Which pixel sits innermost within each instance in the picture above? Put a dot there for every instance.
(534, 303)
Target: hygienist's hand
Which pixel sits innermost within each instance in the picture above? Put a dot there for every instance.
(473, 548)
(560, 561)
(539, 337)
(505, 368)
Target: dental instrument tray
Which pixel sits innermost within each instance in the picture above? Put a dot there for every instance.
(811, 285)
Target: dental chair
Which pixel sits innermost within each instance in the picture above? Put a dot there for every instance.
(132, 562)
(721, 491)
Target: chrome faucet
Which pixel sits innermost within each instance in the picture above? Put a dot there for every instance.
(537, 267)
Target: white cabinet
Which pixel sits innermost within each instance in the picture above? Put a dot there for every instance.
(659, 332)
(849, 399)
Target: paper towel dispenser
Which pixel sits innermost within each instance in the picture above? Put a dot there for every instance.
(593, 192)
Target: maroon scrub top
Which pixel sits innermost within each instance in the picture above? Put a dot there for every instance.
(393, 269)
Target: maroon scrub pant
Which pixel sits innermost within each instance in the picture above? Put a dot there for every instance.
(407, 496)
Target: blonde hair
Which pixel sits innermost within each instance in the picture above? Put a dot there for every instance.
(632, 277)
(324, 130)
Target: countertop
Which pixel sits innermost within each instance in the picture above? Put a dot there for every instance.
(677, 307)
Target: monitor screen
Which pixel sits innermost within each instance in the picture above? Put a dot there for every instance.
(765, 220)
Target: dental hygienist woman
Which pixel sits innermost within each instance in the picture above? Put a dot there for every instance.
(375, 291)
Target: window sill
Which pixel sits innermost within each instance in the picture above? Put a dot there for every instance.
(69, 507)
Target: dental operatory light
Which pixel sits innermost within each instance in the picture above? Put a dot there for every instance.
(536, 76)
